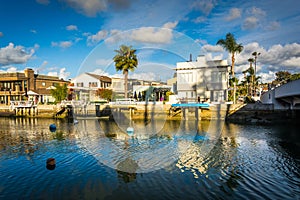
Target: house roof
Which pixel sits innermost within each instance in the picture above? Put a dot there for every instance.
(100, 77)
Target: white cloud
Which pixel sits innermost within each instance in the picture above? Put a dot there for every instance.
(273, 26)
(71, 28)
(199, 20)
(250, 23)
(212, 48)
(94, 39)
(52, 74)
(205, 6)
(10, 69)
(63, 74)
(33, 31)
(276, 58)
(256, 12)
(100, 72)
(267, 77)
(162, 35)
(62, 44)
(89, 8)
(234, 13)
(12, 54)
(170, 25)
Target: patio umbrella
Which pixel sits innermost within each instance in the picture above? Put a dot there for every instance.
(134, 95)
(51, 88)
(32, 93)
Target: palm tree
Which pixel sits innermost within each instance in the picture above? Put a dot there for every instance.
(125, 60)
(255, 54)
(251, 72)
(232, 47)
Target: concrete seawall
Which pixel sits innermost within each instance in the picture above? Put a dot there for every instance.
(238, 113)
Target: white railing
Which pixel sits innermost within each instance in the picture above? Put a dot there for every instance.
(21, 104)
(128, 101)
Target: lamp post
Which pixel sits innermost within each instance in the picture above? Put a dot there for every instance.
(9, 95)
(5, 96)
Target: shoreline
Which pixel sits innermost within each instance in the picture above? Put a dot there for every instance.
(235, 113)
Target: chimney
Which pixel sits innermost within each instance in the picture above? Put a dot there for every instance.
(191, 57)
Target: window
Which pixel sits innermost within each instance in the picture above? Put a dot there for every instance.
(93, 84)
(80, 84)
(43, 84)
(218, 76)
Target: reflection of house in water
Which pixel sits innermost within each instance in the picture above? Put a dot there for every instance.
(15, 85)
(206, 79)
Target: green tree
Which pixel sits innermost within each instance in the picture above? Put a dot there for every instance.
(230, 45)
(282, 77)
(104, 93)
(125, 61)
(295, 76)
(60, 93)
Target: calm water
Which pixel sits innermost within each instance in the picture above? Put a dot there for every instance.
(166, 160)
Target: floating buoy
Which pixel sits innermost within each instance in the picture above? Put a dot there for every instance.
(52, 127)
(130, 131)
(50, 163)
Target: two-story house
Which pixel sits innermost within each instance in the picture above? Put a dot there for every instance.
(206, 80)
(15, 86)
(85, 86)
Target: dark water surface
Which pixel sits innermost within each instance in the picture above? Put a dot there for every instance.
(245, 162)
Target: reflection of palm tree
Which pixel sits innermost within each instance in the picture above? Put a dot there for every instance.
(125, 60)
(127, 169)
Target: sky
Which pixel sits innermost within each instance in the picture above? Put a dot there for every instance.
(68, 37)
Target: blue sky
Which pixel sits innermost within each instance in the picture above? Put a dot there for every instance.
(68, 37)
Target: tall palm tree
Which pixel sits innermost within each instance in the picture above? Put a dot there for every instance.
(255, 54)
(125, 60)
(251, 72)
(230, 44)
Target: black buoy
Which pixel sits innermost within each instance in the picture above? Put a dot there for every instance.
(50, 163)
(52, 127)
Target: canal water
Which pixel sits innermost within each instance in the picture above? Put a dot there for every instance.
(96, 159)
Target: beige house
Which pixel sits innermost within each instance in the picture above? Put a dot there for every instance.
(17, 86)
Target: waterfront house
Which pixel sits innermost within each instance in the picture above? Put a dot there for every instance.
(14, 86)
(86, 84)
(208, 80)
(137, 89)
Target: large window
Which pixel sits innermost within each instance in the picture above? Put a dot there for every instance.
(218, 76)
(186, 77)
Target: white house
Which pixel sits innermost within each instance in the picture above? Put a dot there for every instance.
(207, 80)
(85, 86)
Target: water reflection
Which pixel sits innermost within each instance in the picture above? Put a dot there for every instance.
(245, 162)
(24, 136)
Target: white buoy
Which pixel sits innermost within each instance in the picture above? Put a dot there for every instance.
(130, 131)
